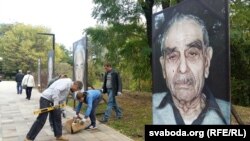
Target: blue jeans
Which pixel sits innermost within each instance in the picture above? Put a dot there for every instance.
(41, 119)
(19, 87)
(112, 104)
(92, 115)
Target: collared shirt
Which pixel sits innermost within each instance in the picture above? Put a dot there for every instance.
(165, 112)
(58, 91)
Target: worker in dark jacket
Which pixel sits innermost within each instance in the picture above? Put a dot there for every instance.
(112, 85)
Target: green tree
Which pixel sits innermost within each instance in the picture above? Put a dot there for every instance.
(65, 55)
(21, 47)
(124, 29)
(127, 36)
(240, 50)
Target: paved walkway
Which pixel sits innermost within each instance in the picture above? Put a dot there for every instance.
(16, 118)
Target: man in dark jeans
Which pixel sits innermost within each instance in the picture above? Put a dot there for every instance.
(92, 99)
(113, 86)
(62, 110)
(54, 94)
(19, 78)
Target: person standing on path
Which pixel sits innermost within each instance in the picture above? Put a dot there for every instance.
(28, 80)
(19, 78)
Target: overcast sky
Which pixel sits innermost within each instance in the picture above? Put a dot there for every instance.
(65, 18)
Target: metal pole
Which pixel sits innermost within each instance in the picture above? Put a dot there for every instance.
(39, 74)
(54, 51)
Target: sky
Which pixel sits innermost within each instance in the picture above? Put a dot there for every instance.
(65, 18)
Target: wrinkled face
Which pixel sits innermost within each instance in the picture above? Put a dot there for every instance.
(186, 60)
(79, 59)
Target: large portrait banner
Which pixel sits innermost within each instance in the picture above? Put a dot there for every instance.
(80, 61)
(191, 76)
(50, 64)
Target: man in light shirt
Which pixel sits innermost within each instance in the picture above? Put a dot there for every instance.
(55, 93)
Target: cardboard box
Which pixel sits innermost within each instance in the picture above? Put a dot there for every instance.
(74, 127)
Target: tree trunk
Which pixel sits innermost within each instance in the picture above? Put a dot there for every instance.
(147, 7)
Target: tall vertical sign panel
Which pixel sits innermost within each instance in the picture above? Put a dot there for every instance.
(80, 61)
(39, 73)
(50, 64)
(191, 74)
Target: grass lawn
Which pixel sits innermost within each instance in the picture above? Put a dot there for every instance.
(137, 112)
(243, 112)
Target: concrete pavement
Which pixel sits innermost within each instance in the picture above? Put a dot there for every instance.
(16, 118)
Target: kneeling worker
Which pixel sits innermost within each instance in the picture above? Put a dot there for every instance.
(92, 99)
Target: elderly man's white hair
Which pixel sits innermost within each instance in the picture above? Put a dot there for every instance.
(181, 17)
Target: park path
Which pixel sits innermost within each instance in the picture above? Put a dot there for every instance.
(16, 118)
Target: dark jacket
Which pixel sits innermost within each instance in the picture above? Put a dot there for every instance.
(19, 77)
(115, 80)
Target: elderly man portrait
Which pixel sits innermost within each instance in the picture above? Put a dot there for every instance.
(80, 61)
(185, 61)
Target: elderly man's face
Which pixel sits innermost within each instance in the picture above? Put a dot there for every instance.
(79, 65)
(186, 61)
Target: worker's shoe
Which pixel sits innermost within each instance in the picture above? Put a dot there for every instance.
(90, 127)
(104, 120)
(27, 139)
(62, 138)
